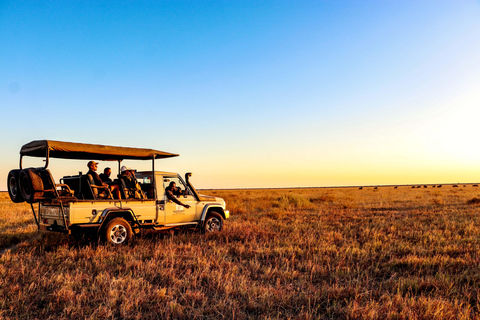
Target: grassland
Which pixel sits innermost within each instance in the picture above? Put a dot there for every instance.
(290, 253)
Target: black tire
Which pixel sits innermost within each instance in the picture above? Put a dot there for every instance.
(13, 186)
(213, 222)
(118, 231)
(31, 185)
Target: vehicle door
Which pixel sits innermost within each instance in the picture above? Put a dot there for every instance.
(176, 213)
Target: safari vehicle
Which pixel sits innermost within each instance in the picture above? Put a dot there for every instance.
(76, 206)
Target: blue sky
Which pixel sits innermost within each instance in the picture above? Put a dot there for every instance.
(250, 93)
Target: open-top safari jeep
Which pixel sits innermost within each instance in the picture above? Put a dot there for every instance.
(76, 206)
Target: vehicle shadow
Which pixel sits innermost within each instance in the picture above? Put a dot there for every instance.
(27, 241)
(41, 242)
(9, 241)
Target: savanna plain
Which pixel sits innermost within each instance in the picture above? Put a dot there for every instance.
(317, 253)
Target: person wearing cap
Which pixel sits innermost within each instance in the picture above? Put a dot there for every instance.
(114, 188)
(92, 168)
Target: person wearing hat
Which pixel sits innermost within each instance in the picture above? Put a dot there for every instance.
(128, 176)
(114, 188)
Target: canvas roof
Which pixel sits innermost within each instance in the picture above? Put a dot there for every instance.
(83, 151)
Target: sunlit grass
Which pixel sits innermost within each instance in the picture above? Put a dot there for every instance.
(285, 253)
(16, 222)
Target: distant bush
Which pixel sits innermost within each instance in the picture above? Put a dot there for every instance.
(473, 201)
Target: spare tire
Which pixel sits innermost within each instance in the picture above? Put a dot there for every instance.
(31, 185)
(13, 186)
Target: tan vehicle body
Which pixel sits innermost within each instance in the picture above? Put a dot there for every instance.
(159, 213)
(77, 206)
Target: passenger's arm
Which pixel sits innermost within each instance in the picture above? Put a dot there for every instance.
(171, 197)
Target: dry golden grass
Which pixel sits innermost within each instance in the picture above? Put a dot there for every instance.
(16, 222)
(285, 253)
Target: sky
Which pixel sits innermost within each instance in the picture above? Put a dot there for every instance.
(249, 93)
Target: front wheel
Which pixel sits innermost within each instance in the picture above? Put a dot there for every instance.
(118, 231)
(213, 223)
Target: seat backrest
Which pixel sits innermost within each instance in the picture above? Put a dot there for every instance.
(97, 192)
(74, 183)
(87, 192)
(123, 187)
(91, 183)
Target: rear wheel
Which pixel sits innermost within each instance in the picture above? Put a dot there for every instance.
(213, 223)
(118, 231)
(31, 185)
(13, 186)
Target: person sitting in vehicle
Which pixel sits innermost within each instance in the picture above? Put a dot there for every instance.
(114, 188)
(178, 191)
(105, 176)
(134, 190)
(171, 191)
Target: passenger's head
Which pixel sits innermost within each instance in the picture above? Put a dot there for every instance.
(107, 171)
(172, 184)
(126, 171)
(92, 165)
